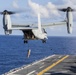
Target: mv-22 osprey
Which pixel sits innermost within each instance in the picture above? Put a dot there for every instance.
(35, 32)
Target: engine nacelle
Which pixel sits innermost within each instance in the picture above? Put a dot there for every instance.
(69, 21)
(7, 24)
(7, 32)
(69, 28)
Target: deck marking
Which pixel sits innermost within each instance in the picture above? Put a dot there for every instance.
(24, 67)
(42, 63)
(53, 65)
(41, 67)
(31, 72)
(43, 59)
(60, 56)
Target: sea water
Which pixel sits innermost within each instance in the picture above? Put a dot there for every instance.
(13, 52)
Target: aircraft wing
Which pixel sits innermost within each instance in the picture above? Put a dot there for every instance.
(31, 26)
(53, 24)
(22, 27)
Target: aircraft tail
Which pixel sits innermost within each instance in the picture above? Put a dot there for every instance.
(39, 21)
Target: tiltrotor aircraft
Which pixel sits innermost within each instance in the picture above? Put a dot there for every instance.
(35, 32)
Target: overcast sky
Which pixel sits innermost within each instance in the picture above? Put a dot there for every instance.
(48, 10)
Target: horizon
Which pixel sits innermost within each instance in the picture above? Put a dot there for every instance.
(48, 16)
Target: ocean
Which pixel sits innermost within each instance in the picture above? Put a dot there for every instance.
(13, 52)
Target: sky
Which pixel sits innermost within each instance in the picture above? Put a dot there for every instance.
(47, 9)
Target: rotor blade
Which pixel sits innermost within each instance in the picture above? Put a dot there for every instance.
(14, 12)
(21, 10)
(73, 9)
(1, 12)
(11, 12)
(17, 11)
(64, 9)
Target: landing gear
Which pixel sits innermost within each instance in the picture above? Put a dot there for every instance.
(44, 41)
(25, 41)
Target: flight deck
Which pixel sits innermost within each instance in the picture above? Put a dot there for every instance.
(51, 65)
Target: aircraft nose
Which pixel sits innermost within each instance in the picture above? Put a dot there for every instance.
(45, 37)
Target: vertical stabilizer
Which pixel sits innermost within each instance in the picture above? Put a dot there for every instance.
(39, 21)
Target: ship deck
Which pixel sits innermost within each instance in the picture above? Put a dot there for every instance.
(52, 65)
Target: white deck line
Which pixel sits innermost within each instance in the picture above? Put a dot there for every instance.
(41, 67)
(20, 68)
(42, 59)
(31, 72)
